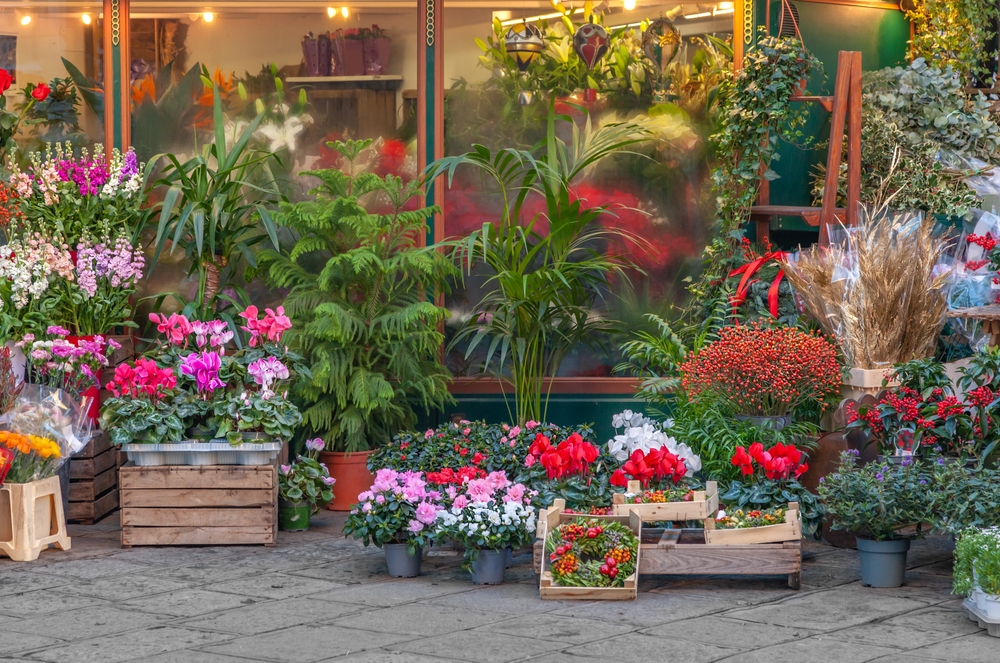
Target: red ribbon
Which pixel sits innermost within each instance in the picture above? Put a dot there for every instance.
(751, 268)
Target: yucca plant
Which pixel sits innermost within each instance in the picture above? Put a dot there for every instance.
(216, 212)
(543, 286)
(366, 321)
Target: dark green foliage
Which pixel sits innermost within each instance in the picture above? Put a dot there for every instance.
(365, 322)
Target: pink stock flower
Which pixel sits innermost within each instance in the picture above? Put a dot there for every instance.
(176, 328)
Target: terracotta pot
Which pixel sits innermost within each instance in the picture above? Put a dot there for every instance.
(352, 475)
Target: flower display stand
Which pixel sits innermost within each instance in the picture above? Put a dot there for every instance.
(992, 626)
(553, 517)
(702, 506)
(31, 519)
(790, 530)
(199, 505)
(93, 481)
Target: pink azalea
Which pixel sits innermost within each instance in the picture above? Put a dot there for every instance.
(515, 431)
(429, 434)
(426, 513)
(366, 507)
(529, 461)
(498, 480)
(365, 496)
(380, 499)
(515, 493)
(415, 526)
(480, 490)
(414, 494)
(531, 424)
(451, 491)
(461, 502)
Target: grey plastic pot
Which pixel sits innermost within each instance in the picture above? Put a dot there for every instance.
(489, 566)
(883, 563)
(400, 562)
(509, 561)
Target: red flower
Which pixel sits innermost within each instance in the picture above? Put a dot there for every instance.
(618, 478)
(41, 92)
(6, 80)
(636, 467)
(757, 453)
(540, 445)
(742, 460)
(478, 458)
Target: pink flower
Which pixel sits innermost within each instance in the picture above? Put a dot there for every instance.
(531, 424)
(515, 493)
(426, 513)
(461, 502)
(316, 444)
(505, 427)
(415, 526)
(380, 499)
(414, 494)
(285, 469)
(328, 480)
(466, 431)
(366, 507)
(498, 480)
(274, 324)
(451, 492)
(176, 328)
(429, 434)
(480, 490)
(529, 460)
(56, 330)
(204, 368)
(515, 431)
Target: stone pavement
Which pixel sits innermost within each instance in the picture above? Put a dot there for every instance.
(318, 597)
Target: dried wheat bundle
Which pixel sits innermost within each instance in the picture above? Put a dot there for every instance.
(878, 293)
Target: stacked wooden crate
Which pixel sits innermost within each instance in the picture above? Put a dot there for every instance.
(93, 471)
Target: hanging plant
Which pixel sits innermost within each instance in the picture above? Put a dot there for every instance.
(757, 116)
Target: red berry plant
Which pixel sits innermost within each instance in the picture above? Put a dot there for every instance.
(763, 371)
(770, 480)
(590, 552)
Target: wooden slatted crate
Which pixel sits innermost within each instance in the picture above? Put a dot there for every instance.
(93, 481)
(790, 530)
(199, 505)
(704, 504)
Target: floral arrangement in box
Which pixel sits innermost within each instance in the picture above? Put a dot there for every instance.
(591, 553)
(492, 513)
(740, 519)
(573, 469)
(770, 480)
(398, 508)
(922, 415)
(761, 371)
(194, 383)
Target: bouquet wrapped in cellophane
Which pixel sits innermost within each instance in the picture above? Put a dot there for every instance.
(42, 430)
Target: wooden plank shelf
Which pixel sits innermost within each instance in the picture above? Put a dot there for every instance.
(199, 505)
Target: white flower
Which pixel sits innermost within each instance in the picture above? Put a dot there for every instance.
(284, 135)
(643, 434)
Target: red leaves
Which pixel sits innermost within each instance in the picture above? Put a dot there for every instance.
(778, 463)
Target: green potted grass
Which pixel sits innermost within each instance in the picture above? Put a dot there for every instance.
(303, 488)
(877, 501)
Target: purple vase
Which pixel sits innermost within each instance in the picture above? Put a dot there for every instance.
(376, 52)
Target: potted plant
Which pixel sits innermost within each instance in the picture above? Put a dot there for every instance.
(142, 405)
(349, 52)
(370, 335)
(304, 487)
(489, 517)
(977, 569)
(877, 501)
(763, 373)
(572, 469)
(770, 480)
(399, 515)
(376, 45)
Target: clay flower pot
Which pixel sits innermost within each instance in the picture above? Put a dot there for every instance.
(352, 475)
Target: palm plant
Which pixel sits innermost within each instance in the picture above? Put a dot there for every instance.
(540, 297)
(215, 209)
(364, 321)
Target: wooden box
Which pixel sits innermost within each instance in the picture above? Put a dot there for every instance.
(31, 519)
(553, 517)
(93, 481)
(790, 530)
(178, 505)
(704, 505)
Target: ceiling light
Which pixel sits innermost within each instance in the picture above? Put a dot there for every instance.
(208, 16)
(723, 10)
(345, 12)
(629, 5)
(331, 12)
(86, 19)
(725, 5)
(25, 19)
(691, 17)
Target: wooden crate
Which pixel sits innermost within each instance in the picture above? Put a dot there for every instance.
(684, 552)
(790, 530)
(199, 505)
(553, 516)
(704, 505)
(93, 481)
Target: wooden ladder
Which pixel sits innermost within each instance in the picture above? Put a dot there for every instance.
(845, 108)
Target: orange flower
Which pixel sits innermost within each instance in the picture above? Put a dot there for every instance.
(144, 88)
(225, 85)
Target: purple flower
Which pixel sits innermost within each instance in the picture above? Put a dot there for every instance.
(316, 444)
(130, 167)
(56, 330)
(923, 482)
(328, 480)
(879, 477)
(266, 371)
(940, 461)
(285, 469)
(204, 368)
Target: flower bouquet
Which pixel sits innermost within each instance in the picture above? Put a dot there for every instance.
(583, 553)
(490, 516)
(304, 487)
(399, 514)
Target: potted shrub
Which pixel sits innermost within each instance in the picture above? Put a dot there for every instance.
(490, 516)
(572, 469)
(303, 488)
(399, 515)
(142, 405)
(762, 373)
(370, 335)
(977, 569)
(877, 502)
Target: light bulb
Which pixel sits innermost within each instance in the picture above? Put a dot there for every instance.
(331, 12)
(345, 12)
(629, 5)
(86, 19)
(208, 16)
(25, 19)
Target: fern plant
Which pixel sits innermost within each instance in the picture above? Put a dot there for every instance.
(364, 322)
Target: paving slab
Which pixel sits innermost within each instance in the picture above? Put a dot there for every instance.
(974, 648)
(484, 646)
(642, 648)
(559, 628)
(137, 645)
(306, 644)
(417, 620)
(832, 609)
(811, 649)
(43, 602)
(271, 616)
(728, 632)
(83, 623)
